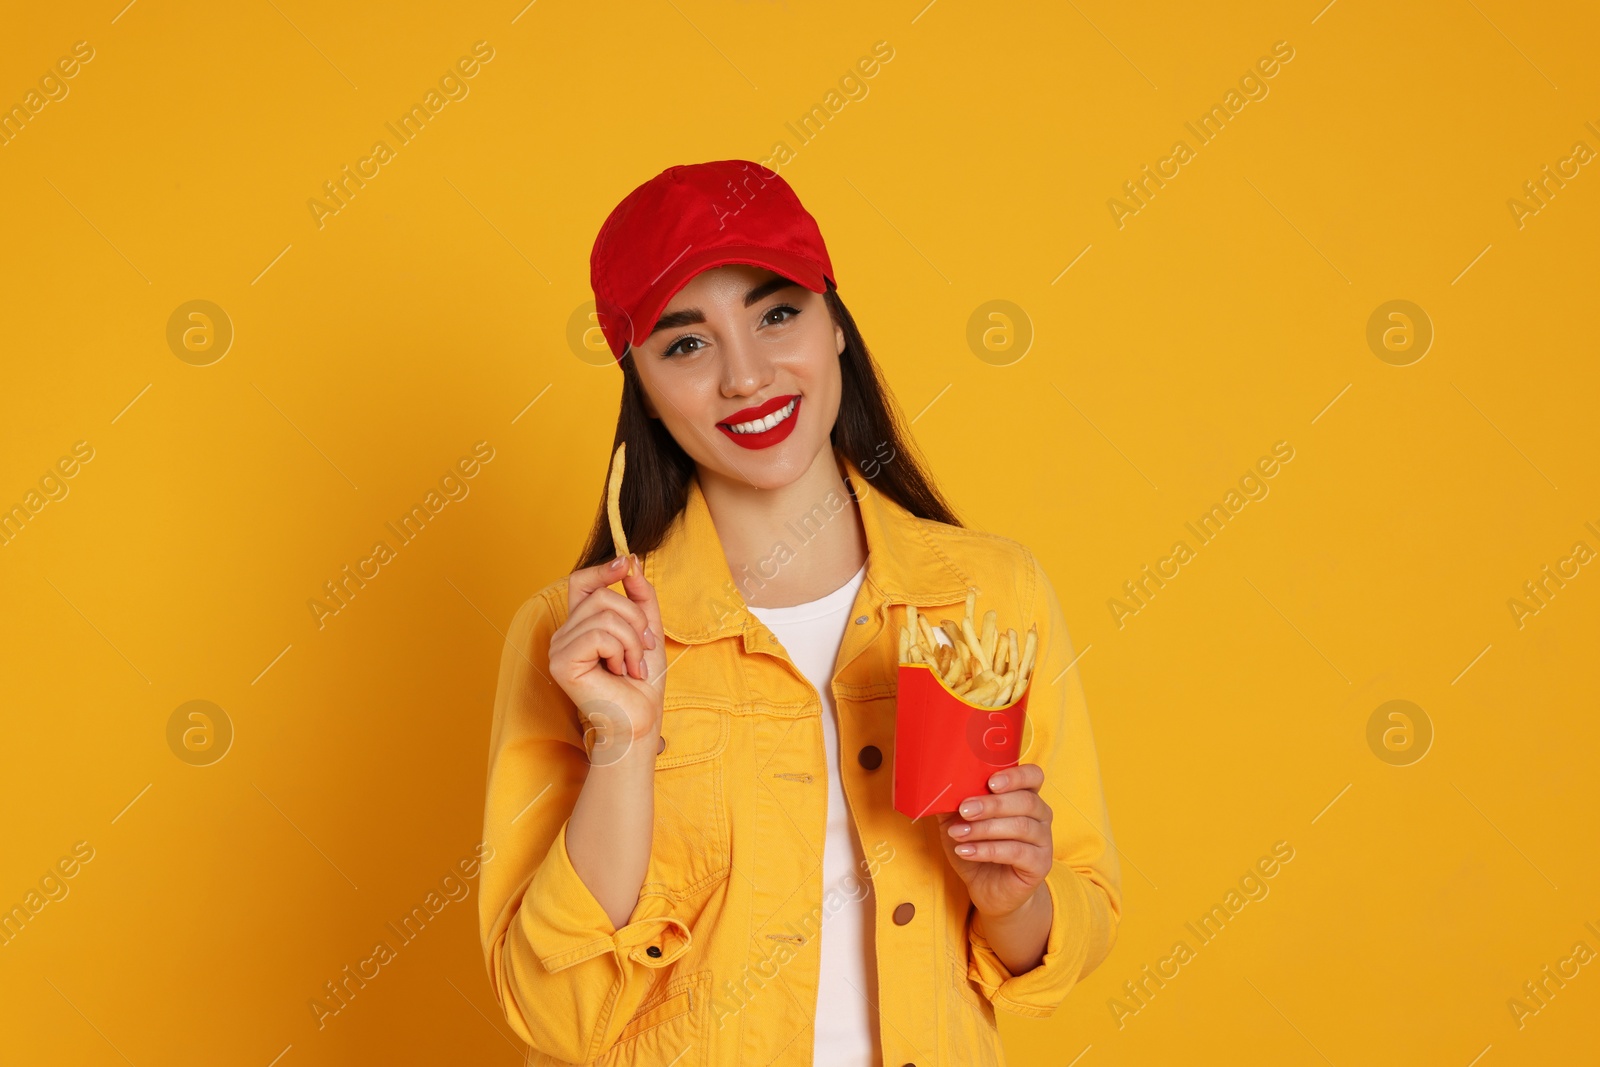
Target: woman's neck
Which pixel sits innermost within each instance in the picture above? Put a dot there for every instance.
(788, 545)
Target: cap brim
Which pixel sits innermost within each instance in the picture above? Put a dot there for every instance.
(678, 275)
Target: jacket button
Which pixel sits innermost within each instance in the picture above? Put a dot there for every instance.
(904, 912)
(862, 621)
(654, 951)
(871, 757)
(661, 745)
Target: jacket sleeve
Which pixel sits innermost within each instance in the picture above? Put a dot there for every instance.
(567, 980)
(1085, 880)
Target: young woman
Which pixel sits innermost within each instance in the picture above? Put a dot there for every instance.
(696, 857)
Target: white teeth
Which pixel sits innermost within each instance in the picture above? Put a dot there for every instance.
(758, 425)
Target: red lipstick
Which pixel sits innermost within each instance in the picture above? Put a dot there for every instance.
(766, 438)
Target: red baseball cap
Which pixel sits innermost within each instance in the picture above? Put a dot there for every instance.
(690, 218)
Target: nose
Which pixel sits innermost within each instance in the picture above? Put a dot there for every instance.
(745, 368)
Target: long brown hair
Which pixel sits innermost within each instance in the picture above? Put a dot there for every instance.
(867, 432)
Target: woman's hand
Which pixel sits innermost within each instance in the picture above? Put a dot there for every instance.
(1000, 843)
(609, 658)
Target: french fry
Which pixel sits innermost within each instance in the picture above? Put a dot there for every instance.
(951, 630)
(619, 537)
(952, 672)
(990, 635)
(975, 645)
(984, 685)
(1028, 650)
(983, 692)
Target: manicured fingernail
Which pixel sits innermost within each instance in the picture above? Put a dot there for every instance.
(970, 808)
(997, 781)
(965, 850)
(619, 561)
(961, 829)
(649, 638)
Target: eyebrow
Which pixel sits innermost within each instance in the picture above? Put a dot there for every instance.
(693, 315)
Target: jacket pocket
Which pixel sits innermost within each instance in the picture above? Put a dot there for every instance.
(689, 850)
(975, 1036)
(670, 1027)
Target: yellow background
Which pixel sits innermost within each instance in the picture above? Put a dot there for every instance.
(1227, 315)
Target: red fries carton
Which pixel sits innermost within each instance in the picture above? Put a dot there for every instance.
(945, 748)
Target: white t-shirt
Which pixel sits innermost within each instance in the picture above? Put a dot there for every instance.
(846, 1033)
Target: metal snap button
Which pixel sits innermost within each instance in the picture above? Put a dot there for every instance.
(904, 912)
(861, 620)
(871, 757)
(654, 951)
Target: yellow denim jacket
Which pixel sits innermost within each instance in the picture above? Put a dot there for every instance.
(716, 966)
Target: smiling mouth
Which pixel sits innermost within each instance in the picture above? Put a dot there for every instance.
(762, 425)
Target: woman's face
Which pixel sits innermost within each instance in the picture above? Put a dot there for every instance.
(734, 349)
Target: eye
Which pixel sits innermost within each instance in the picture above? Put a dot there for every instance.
(675, 347)
(780, 308)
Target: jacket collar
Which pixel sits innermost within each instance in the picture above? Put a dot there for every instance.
(700, 602)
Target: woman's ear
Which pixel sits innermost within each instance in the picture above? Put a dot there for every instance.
(838, 338)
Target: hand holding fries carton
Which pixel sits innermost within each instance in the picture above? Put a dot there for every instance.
(960, 709)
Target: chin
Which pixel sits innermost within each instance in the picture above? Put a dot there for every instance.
(777, 467)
